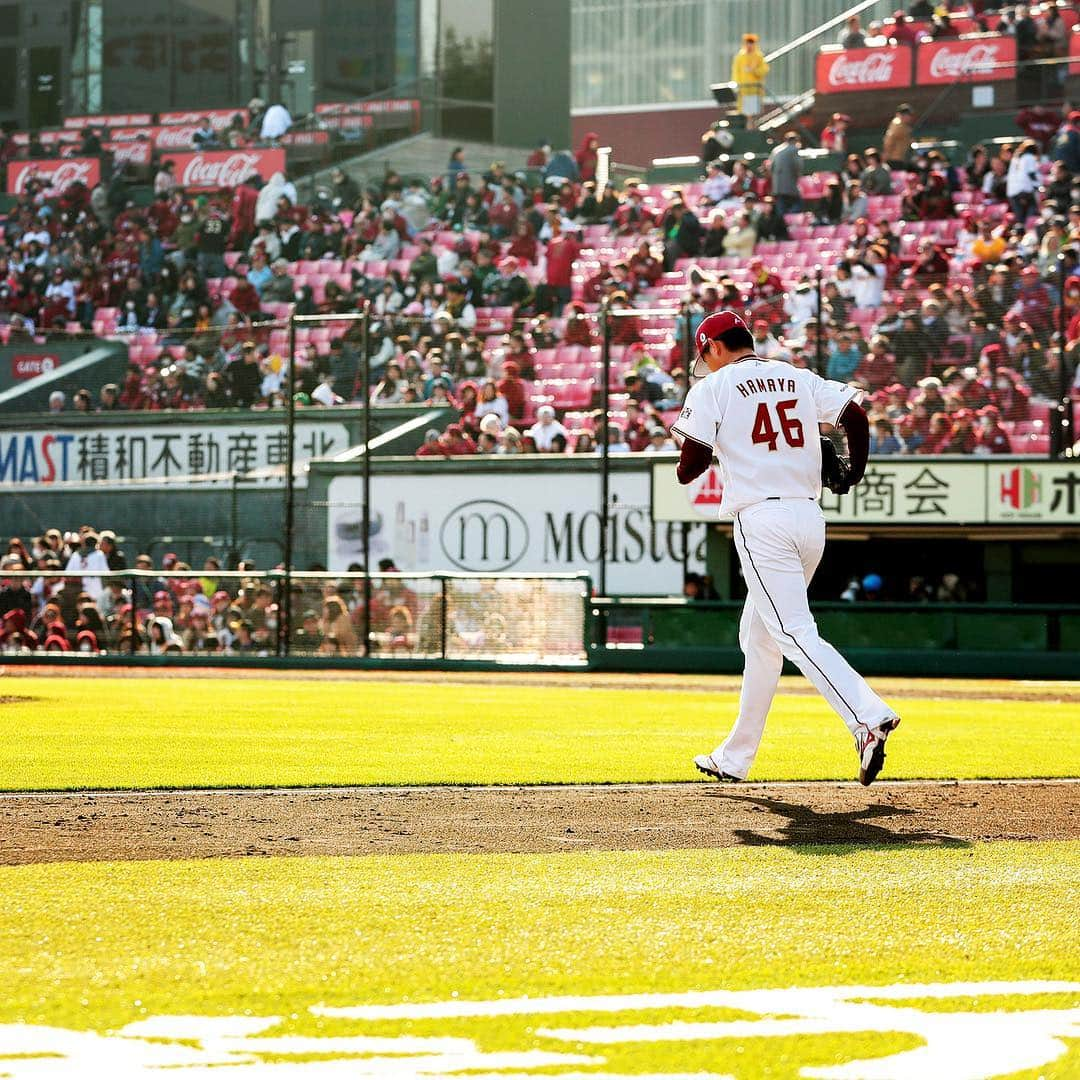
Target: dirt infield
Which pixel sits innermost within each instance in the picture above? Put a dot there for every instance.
(366, 821)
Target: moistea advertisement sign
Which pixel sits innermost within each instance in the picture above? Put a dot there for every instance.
(492, 522)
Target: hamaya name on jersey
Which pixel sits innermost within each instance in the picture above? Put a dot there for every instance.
(761, 417)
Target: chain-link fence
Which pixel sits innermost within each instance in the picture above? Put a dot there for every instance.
(539, 619)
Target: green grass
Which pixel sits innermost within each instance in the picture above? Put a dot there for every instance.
(98, 946)
(135, 732)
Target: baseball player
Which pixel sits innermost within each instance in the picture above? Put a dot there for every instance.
(761, 418)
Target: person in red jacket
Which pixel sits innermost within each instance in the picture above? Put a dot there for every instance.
(242, 212)
(15, 631)
(512, 387)
(990, 437)
(562, 252)
(243, 296)
(587, 156)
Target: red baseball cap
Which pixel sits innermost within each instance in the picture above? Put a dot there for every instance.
(719, 322)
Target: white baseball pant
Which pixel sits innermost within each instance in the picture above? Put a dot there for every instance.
(780, 543)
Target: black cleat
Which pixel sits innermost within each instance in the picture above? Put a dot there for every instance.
(705, 764)
(871, 748)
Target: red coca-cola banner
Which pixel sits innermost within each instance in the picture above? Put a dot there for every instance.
(48, 138)
(111, 120)
(58, 173)
(212, 169)
(175, 137)
(841, 71)
(386, 105)
(1074, 45)
(973, 59)
(220, 118)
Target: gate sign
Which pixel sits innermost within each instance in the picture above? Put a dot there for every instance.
(219, 118)
(58, 174)
(841, 71)
(209, 170)
(966, 60)
(31, 365)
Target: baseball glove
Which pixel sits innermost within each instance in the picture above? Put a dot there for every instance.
(835, 470)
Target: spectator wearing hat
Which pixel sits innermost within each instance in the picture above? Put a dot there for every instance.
(896, 143)
(89, 558)
(114, 557)
(749, 69)
(834, 134)
(545, 430)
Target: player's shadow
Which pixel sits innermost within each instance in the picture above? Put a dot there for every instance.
(832, 830)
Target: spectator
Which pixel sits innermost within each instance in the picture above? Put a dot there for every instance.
(844, 358)
(749, 69)
(88, 558)
(852, 36)
(834, 134)
(896, 143)
(546, 429)
(785, 168)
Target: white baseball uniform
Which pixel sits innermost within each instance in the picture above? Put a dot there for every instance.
(761, 417)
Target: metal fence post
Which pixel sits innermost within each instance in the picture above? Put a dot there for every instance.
(820, 343)
(443, 619)
(687, 347)
(134, 648)
(285, 611)
(365, 349)
(605, 356)
(1062, 432)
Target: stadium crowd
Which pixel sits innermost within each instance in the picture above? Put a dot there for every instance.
(941, 296)
(171, 608)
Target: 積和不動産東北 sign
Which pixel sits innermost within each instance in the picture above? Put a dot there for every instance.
(210, 453)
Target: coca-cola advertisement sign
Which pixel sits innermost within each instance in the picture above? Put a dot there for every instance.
(109, 121)
(213, 169)
(985, 58)
(31, 365)
(47, 138)
(58, 174)
(219, 118)
(176, 137)
(842, 71)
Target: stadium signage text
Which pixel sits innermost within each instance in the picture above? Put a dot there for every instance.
(31, 365)
(949, 61)
(213, 169)
(903, 492)
(210, 454)
(521, 522)
(863, 69)
(220, 119)
(108, 120)
(58, 173)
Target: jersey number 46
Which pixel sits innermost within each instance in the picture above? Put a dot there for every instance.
(766, 432)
